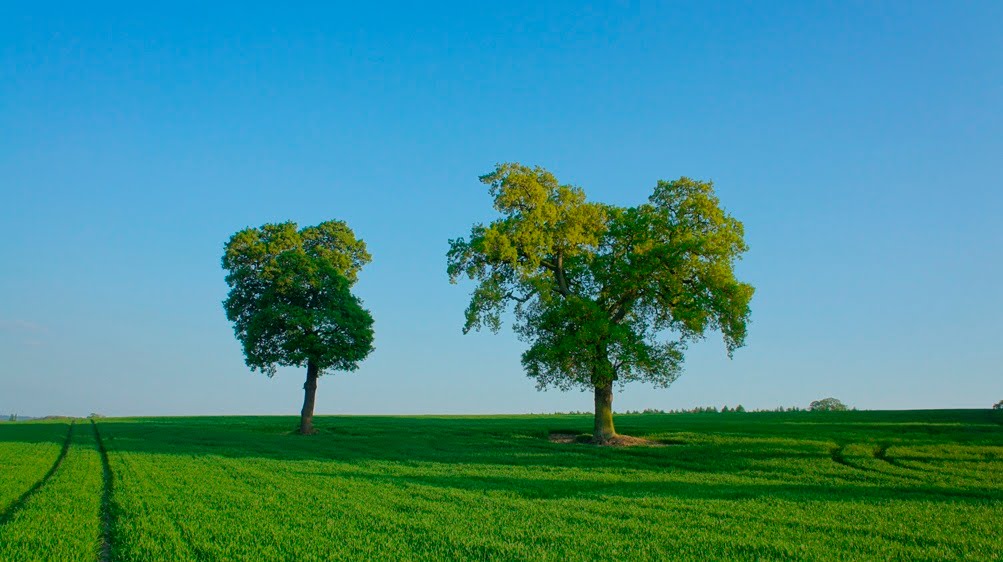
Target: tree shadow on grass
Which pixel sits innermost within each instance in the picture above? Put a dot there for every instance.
(34, 432)
(562, 488)
(422, 448)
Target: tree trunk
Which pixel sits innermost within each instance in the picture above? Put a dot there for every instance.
(604, 414)
(309, 398)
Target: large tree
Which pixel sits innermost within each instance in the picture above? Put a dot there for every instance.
(291, 304)
(603, 294)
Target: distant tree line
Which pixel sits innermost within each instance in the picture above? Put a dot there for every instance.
(740, 409)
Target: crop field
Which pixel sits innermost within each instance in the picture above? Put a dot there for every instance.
(845, 485)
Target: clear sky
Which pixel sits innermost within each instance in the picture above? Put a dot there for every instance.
(860, 143)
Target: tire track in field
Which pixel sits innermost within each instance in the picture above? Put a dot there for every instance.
(912, 473)
(881, 453)
(19, 504)
(107, 517)
(838, 456)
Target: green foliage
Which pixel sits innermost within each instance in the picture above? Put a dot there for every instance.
(844, 486)
(827, 405)
(290, 297)
(603, 293)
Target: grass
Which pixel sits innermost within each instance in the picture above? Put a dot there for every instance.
(849, 485)
(59, 520)
(27, 452)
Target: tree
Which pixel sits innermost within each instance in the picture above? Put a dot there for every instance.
(291, 304)
(998, 405)
(603, 294)
(827, 405)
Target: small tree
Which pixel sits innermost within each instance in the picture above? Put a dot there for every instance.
(603, 294)
(998, 405)
(291, 304)
(740, 408)
(827, 405)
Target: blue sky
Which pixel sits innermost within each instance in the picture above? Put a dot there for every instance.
(860, 143)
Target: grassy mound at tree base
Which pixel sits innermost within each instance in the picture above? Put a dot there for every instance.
(615, 441)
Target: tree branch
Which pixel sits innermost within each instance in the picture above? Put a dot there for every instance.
(619, 309)
(512, 296)
(562, 279)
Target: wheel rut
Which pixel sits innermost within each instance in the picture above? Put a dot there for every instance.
(105, 550)
(838, 456)
(19, 504)
(881, 453)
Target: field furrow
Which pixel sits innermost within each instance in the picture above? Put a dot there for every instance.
(29, 453)
(108, 511)
(61, 519)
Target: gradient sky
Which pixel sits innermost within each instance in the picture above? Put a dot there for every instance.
(860, 143)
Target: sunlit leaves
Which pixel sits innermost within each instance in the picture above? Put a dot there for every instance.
(601, 292)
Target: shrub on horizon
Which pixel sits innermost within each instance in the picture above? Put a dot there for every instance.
(827, 405)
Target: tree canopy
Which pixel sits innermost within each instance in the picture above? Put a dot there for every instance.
(603, 294)
(290, 300)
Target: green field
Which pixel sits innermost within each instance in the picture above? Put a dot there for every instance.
(848, 485)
